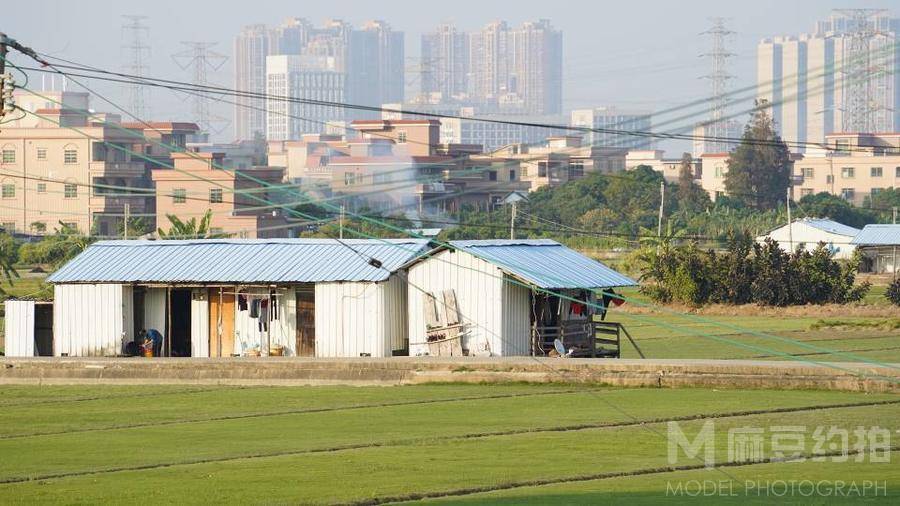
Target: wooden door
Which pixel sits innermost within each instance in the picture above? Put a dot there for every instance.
(221, 331)
(306, 323)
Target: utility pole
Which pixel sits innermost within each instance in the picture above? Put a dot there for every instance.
(134, 42)
(341, 223)
(662, 204)
(199, 57)
(512, 220)
(127, 212)
(790, 226)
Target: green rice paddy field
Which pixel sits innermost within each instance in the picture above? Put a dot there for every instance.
(458, 444)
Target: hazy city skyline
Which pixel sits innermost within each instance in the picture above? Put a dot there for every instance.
(649, 65)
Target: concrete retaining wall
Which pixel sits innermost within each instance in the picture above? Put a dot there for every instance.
(409, 370)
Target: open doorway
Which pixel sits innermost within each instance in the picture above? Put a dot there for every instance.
(180, 315)
(306, 321)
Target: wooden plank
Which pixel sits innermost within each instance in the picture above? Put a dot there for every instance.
(431, 314)
(451, 311)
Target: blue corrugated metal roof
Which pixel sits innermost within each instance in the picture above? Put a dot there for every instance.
(238, 261)
(545, 263)
(831, 226)
(878, 235)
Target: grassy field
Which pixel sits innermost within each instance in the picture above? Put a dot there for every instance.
(467, 444)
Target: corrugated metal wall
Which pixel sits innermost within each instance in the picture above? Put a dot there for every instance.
(350, 320)
(88, 320)
(395, 327)
(19, 334)
(516, 319)
(493, 314)
(281, 331)
(199, 323)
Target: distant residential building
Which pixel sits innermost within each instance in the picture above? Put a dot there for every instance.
(54, 174)
(713, 168)
(670, 168)
(515, 68)
(445, 63)
(482, 125)
(855, 166)
(375, 71)
(251, 47)
(239, 201)
(369, 61)
(611, 125)
(310, 80)
(807, 78)
(809, 232)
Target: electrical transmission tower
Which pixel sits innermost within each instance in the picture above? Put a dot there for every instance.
(200, 59)
(860, 70)
(135, 35)
(718, 77)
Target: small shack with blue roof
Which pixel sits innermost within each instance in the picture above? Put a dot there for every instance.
(506, 297)
(226, 297)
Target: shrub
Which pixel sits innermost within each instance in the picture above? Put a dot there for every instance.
(893, 292)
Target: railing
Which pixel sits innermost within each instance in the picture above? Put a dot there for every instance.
(583, 338)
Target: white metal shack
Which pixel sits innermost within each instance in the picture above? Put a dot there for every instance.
(224, 297)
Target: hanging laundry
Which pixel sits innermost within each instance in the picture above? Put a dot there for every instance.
(274, 312)
(242, 301)
(254, 308)
(263, 315)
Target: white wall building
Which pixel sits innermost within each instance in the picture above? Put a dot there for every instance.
(614, 119)
(810, 232)
(304, 78)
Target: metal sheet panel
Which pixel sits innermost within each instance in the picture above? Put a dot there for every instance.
(479, 295)
(545, 263)
(19, 328)
(350, 320)
(878, 235)
(88, 320)
(238, 261)
(199, 323)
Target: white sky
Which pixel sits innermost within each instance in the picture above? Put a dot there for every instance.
(639, 54)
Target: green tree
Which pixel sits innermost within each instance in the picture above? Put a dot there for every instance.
(884, 200)
(55, 249)
(190, 229)
(759, 169)
(9, 255)
(691, 197)
(826, 205)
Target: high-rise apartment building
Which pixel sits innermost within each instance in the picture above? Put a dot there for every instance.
(368, 62)
(375, 69)
(842, 76)
(251, 47)
(445, 63)
(519, 69)
(309, 81)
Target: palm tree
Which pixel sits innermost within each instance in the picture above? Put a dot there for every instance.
(190, 229)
